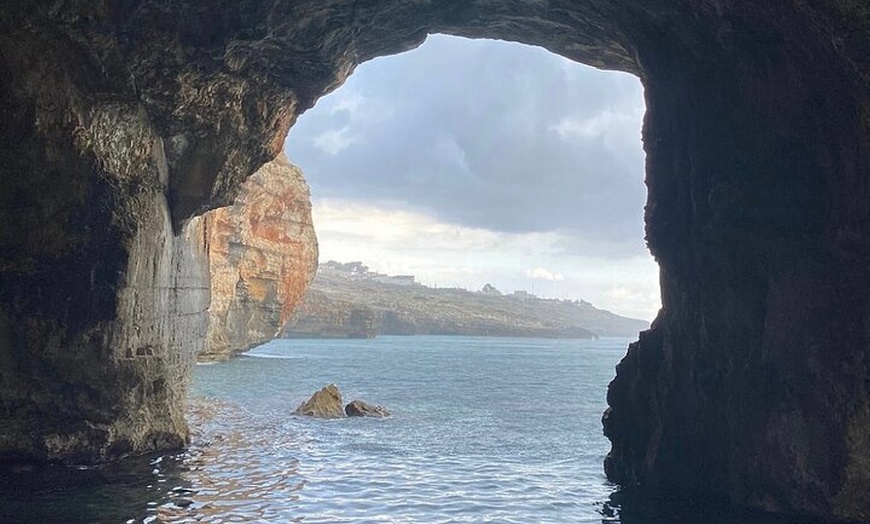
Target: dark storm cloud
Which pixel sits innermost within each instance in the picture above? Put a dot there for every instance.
(485, 134)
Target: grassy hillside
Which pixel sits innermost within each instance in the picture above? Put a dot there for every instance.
(346, 300)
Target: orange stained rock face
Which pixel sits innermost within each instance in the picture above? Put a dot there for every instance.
(262, 257)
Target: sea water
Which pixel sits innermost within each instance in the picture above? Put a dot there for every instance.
(482, 430)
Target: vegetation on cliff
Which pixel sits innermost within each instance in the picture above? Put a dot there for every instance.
(347, 300)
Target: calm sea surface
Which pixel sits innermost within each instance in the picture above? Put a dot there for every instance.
(483, 430)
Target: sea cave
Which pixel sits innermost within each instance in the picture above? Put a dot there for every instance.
(125, 121)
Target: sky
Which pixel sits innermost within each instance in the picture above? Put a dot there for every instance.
(467, 162)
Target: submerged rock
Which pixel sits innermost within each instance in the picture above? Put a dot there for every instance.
(358, 408)
(325, 403)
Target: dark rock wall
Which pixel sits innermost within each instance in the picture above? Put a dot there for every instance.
(120, 119)
(753, 381)
(101, 305)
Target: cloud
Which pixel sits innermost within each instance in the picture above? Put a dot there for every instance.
(448, 149)
(540, 273)
(466, 162)
(391, 225)
(597, 125)
(334, 141)
(391, 238)
(485, 134)
(347, 101)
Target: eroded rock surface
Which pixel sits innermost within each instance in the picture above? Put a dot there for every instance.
(121, 120)
(753, 380)
(262, 256)
(358, 408)
(325, 403)
(322, 316)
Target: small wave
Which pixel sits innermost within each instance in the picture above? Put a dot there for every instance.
(273, 355)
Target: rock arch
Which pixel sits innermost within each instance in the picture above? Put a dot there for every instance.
(121, 120)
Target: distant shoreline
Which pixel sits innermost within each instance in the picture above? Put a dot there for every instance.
(293, 336)
(347, 301)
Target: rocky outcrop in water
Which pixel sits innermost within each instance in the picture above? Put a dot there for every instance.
(262, 255)
(325, 403)
(358, 408)
(122, 120)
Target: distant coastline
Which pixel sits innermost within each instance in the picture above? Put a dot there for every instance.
(346, 300)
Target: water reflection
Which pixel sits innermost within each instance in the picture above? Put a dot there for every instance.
(462, 446)
(108, 493)
(641, 506)
(235, 470)
(241, 468)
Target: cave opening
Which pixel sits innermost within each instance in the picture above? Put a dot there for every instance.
(466, 162)
(419, 165)
(455, 151)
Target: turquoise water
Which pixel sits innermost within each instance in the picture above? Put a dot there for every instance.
(503, 430)
(483, 430)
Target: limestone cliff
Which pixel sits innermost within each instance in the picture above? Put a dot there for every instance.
(122, 120)
(262, 255)
(322, 316)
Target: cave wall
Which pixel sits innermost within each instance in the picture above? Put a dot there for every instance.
(101, 304)
(752, 383)
(121, 120)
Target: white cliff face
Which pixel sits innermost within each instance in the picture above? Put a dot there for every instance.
(262, 256)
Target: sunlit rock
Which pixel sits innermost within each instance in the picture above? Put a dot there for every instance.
(262, 255)
(325, 403)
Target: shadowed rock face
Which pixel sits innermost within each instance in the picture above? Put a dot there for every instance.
(358, 408)
(262, 254)
(123, 119)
